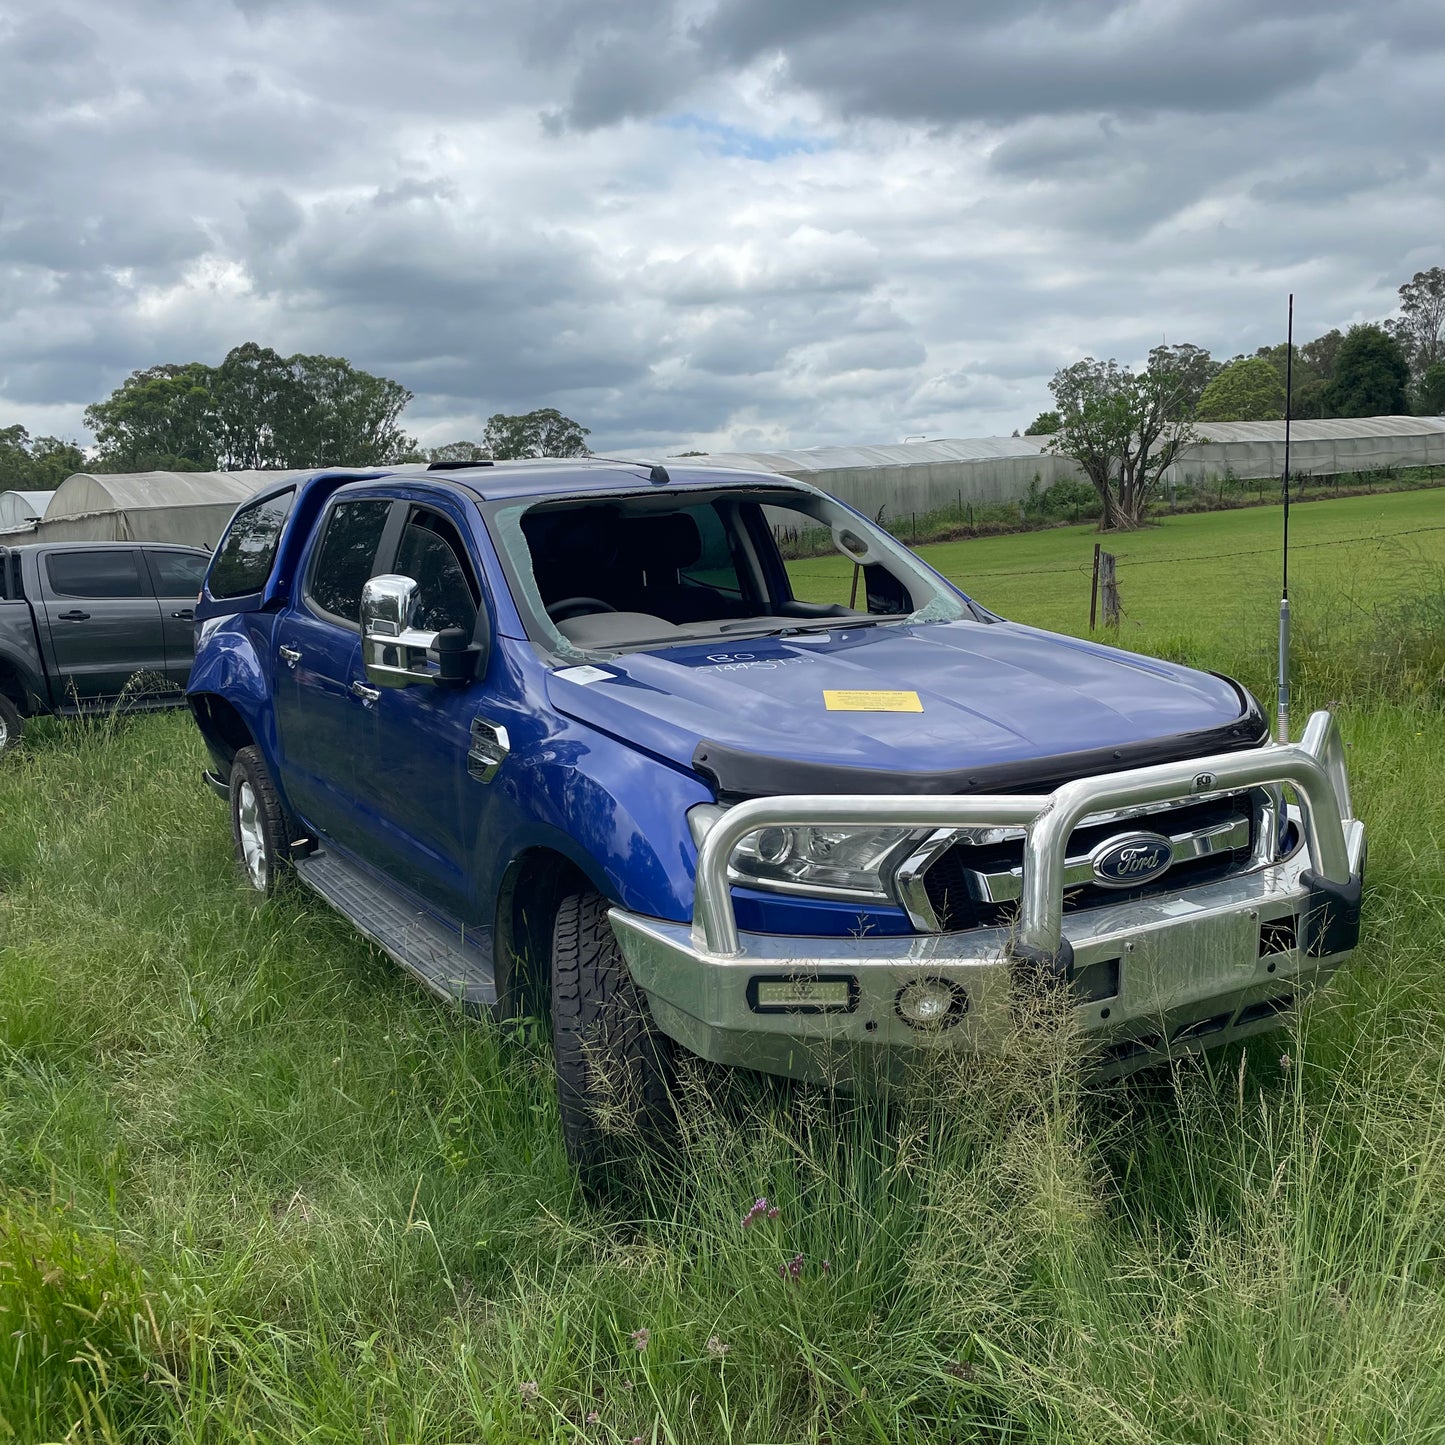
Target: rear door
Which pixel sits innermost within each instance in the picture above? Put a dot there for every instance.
(104, 622)
(176, 575)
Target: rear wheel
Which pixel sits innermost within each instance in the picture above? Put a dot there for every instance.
(258, 823)
(614, 1069)
(12, 725)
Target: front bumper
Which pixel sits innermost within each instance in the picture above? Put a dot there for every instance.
(1148, 979)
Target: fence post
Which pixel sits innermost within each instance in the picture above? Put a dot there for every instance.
(1109, 585)
(1094, 592)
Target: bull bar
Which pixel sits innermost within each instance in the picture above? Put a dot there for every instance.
(1314, 767)
(1323, 876)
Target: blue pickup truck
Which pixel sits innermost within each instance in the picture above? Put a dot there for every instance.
(601, 741)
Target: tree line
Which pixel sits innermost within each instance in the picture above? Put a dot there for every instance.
(261, 410)
(1393, 368)
(1125, 428)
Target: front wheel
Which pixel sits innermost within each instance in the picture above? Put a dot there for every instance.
(12, 725)
(614, 1069)
(258, 822)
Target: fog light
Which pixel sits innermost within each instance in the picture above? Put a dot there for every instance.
(931, 1003)
(802, 995)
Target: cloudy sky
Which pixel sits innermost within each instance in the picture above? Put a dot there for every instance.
(703, 223)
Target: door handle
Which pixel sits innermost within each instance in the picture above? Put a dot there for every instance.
(76, 616)
(368, 695)
(185, 615)
(290, 655)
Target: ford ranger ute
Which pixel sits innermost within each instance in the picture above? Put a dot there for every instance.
(582, 739)
(90, 625)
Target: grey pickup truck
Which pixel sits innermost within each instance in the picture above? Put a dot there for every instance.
(80, 620)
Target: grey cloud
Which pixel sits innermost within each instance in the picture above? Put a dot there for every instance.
(934, 61)
(1342, 177)
(980, 194)
(272, 217)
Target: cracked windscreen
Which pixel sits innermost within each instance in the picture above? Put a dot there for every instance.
(621, 573)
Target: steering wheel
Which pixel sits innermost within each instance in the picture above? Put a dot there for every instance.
(570, 607)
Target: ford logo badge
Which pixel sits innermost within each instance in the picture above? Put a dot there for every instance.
(1131, 860)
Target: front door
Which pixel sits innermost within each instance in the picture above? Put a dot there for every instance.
(428, 801)
(323, 718)
(104, 623)
(177, 577)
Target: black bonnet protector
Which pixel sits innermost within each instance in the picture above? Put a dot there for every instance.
(736, 774)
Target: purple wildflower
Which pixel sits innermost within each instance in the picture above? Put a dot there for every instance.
(641, 1339)
(759, 1209)
(793, 1270)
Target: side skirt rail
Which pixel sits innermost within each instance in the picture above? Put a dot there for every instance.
(442, 961)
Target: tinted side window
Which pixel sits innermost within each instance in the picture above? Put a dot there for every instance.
(249, 547)
(177, 574)
(715, 565)
(94, 574)
(345, 558)
(431, 553)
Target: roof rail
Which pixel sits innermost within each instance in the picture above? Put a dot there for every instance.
(456, 466)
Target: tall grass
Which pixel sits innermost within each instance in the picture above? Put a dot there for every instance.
(257, 1187)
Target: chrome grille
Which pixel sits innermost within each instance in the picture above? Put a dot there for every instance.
(966, 879)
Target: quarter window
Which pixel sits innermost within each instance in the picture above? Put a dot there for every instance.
(94, 574)
(346, 558)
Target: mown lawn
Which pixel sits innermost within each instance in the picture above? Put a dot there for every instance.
(1216, 570)
(254, 1186)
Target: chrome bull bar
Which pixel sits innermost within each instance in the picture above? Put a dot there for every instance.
(1314, 767)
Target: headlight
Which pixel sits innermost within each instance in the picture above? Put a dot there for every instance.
(849, 863)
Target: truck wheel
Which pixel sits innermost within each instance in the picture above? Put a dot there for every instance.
(258, 823)
(12, 725)
(613, 1067)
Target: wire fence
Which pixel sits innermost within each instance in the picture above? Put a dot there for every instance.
(1373, 537)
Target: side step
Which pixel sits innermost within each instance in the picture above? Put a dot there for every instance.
(439, 957)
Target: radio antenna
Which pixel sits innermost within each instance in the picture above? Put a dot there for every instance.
(1282, 727)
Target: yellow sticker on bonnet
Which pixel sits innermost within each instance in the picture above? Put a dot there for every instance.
(871, 701)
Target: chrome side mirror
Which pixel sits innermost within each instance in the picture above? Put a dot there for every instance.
(393, 652)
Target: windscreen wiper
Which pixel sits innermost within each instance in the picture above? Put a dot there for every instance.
(812, 629)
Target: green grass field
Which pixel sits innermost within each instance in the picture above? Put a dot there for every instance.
(1206, 572)
(254, 1186)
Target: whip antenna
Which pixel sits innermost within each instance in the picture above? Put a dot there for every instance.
(1282, 728)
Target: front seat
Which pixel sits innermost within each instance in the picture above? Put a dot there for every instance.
(657, 551)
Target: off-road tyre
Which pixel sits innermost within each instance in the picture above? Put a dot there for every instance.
(614, 1069)
(12, 725)
(259, 829)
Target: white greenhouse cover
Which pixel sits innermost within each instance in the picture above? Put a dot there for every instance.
(928, 476)
(191, 508)
(20, 510)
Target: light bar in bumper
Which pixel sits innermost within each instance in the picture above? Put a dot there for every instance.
(1199, 949)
